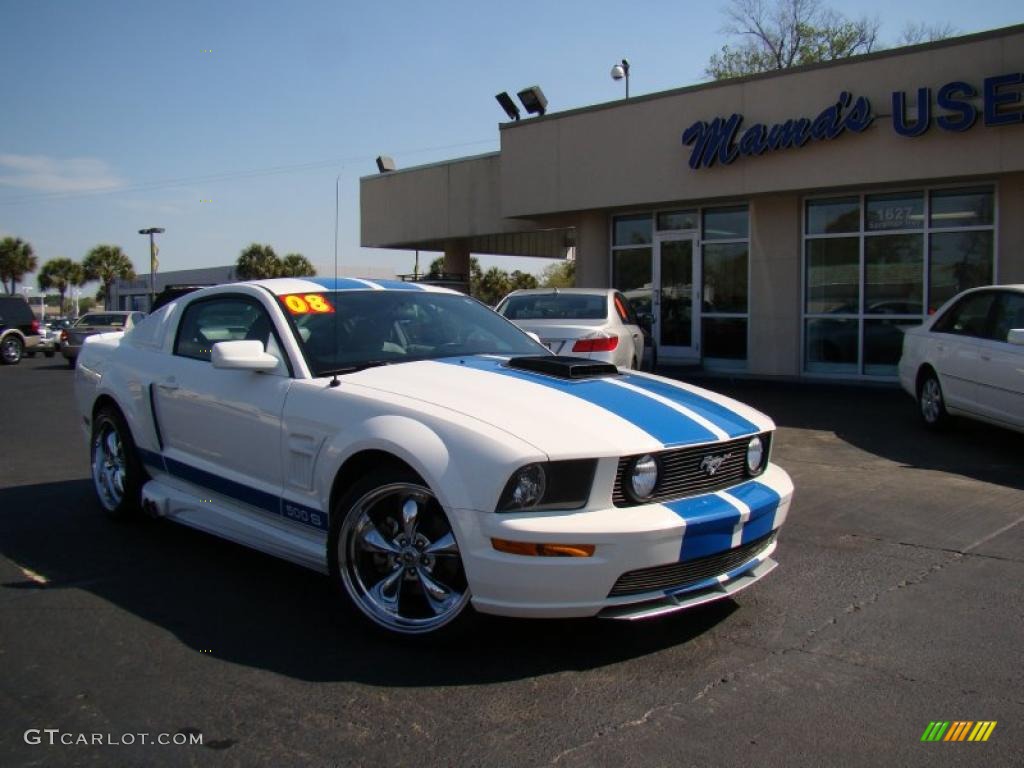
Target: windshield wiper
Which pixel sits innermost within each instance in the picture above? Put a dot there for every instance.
(356, 367)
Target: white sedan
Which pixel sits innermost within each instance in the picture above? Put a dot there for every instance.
(429, 455)
(596, 323)
(968, 359)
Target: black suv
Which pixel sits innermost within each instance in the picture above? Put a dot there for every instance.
(19, 329)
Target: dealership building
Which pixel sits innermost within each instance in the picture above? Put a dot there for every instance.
(783, 224)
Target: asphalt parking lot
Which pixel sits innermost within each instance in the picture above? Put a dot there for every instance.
(899, 600)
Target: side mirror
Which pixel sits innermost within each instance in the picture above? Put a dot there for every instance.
(1016, 336)
(242, 356)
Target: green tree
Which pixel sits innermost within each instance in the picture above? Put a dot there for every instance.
(519, 280)
(778, 34)
(493, 285)
(561, 274)
(59, 275)
(257, 262)
(296, 265)
(16, 260)
(107, 263)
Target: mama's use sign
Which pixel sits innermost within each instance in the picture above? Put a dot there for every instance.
(956, 108)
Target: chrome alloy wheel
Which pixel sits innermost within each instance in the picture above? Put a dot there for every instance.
(10, 349)
(931, 400)
(109, 468)
(399, 560)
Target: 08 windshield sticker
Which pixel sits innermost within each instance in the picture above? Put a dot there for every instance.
(307, 304)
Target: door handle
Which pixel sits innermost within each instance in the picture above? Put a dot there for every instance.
(168, 386)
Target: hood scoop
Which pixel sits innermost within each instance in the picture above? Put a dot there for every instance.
(563, 367)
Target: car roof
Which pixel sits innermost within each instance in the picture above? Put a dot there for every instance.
(282, 286)
(560, 291)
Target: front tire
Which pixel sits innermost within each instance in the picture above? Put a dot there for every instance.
(117, 475)
(930, 403)
(393, 553)
(11, 349)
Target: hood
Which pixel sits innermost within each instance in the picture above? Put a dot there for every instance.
(617, 415)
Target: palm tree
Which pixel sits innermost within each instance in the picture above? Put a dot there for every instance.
(59, 275)
(107, 263)
(257, 262)
(16, 260)
(492, 286)
(296, 265)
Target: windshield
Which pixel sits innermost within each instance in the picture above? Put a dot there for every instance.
(555, 306)
(347, 330)
(114, 321)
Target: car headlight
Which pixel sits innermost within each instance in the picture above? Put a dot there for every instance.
(756, 455)
(548, 485)
(643, 477)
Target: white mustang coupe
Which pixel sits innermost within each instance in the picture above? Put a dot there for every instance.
(428, 454)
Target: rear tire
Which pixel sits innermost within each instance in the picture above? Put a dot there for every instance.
(72, 361)
(931, 405)
(117, 474)
(633, 366)
(11, 349)
(48, 354)
(392, 553)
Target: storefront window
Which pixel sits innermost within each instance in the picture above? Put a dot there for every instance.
(962, 208)
(893, 274)
(632, 230)
(898, 211)
(725, 278)
(833, 276)
(959, 260)
(732, 223)
(835, 215)
(725, 338)
(864, 286)
(675, 220)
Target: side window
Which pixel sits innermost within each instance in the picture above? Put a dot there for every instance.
(625, 310)
(968, 317)
(1009, 315)
(204, 323)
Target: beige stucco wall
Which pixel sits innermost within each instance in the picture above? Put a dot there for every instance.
(631, 154)
(1011, 228)
(773, 342)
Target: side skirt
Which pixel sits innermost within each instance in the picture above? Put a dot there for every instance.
(250, 528)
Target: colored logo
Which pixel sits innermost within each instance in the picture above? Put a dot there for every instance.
(959, 730)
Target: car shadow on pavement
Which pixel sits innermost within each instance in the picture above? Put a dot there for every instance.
(883, 421)
(255, 610)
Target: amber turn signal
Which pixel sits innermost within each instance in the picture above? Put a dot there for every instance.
(543, 550)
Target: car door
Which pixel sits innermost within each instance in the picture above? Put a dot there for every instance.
(1001, 367)
(956, 348)
(221, 429)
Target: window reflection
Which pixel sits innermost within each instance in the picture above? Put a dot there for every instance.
(730, 223)
(725, 277)
(833, 276)
(826, 217)
(894, 274)
(962, 207)
(632, 230)
(959, 260)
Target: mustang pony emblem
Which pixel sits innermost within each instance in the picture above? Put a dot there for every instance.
(710, 464)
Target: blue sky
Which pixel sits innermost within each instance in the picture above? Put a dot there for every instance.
(115, 117)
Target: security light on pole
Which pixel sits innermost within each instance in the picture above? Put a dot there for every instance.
(153, 250)
(620, 71)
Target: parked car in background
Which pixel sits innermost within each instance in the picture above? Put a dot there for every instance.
(968, 359)
(595, 323)
(429, 455)
(49, 340)
(19, 329)
(71, 339)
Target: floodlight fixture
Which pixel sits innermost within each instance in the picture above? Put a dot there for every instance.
(385, 163)
(508, 105)
(620, 71)
(533, 99)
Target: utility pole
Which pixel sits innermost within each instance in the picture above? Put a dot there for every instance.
(152, 260)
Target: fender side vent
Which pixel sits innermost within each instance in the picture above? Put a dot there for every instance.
(564, 367)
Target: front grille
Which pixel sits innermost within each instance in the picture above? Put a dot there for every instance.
(679, 575)
(680, 473)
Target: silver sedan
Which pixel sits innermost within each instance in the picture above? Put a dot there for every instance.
(597, 323)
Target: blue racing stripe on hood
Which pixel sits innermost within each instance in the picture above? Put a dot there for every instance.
(763, 503)
(721, 416)
(710, 522)
(398, 285)
(664, 424)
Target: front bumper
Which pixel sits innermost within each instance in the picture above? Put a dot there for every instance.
(700, 529)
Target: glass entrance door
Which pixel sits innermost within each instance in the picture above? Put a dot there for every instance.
(677, 297)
